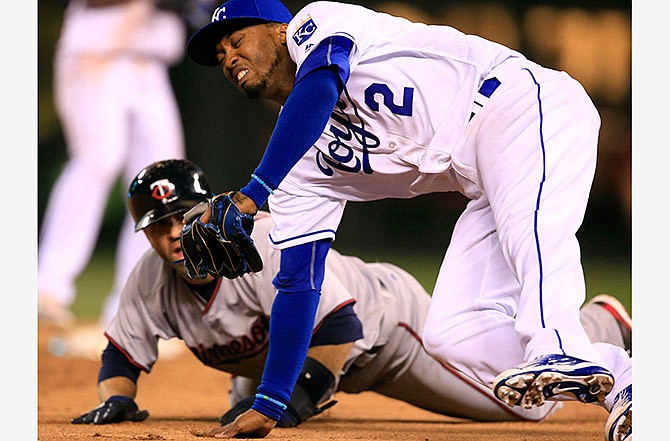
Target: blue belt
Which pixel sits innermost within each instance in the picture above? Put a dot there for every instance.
(486, 90)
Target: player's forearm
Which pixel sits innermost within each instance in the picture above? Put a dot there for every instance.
(291, 323)
(116, 386)
(299, 125)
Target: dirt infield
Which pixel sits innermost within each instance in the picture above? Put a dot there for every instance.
(186, 398)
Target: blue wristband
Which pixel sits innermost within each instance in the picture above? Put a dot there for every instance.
(262, 182)
(268, 406)
(272, 400)
(256, 191)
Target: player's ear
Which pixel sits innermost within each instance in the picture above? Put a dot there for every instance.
(282, 33)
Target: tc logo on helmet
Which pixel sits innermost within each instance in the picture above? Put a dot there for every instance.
(163, 191)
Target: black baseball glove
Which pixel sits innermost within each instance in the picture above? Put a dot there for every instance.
(222, 246)
(116, 409)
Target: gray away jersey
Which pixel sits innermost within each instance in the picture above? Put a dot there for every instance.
(231, 332)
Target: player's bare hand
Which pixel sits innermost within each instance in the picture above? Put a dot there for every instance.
(244, 203)
(250, 424)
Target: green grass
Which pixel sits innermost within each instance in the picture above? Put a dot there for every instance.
(602, 276)
(94, 284)
(611, 277)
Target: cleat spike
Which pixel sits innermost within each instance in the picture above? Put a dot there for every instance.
(530, 384)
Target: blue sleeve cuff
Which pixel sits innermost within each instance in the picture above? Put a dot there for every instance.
(268, 406)
(257, 192)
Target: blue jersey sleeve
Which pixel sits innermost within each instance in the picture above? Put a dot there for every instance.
(332, 53)
(306, 112)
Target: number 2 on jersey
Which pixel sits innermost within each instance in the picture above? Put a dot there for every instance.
(405, 108)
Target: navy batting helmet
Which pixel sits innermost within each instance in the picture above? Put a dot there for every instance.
(165, 188)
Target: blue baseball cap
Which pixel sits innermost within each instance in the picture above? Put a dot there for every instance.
(229, 17)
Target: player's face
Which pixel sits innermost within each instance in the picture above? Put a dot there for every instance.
(256, 60)
(164, 238)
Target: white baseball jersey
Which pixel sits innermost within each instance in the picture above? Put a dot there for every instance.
(418, 115)
(230, 332)
(400, 123)
(118, 112)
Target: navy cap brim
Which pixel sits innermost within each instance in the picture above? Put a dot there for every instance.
(201, 47)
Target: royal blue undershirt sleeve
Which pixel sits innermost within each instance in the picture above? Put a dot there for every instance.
(332, 52)
(298, 284)
(304, 115)
(300, 123)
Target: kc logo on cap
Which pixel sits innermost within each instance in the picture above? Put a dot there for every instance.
(216, 16)
(228, 17)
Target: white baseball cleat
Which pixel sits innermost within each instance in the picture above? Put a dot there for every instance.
(531, 383)
(619, 425)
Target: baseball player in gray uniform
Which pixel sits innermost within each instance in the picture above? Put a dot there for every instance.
(115, 101)
(375, 106)
(366, 336)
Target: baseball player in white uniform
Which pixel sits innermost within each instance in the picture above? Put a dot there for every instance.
(375, 106)
(370, 314)
(118, 112)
